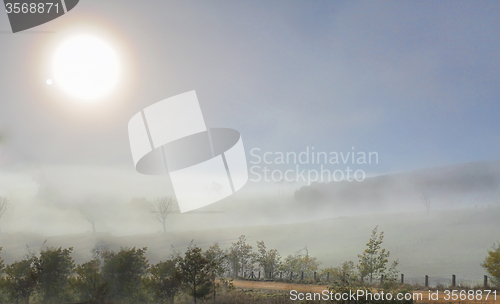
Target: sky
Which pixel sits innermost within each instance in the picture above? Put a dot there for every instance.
(417, 82)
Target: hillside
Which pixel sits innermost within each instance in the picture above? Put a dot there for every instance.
(448, 187)
(439, 244)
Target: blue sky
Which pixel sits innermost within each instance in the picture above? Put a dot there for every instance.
(418, 82)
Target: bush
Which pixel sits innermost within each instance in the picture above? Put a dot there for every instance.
(492, 263)
(54, 267)
(19, 282)
(163, 282)
(197, 273)
(123, 272)
(89, 284)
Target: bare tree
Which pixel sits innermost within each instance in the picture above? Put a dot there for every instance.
(90, 211)
(162, 208)
(4, 205)
(88, 217)
(91, 221)
(425, 198)
(299, 253)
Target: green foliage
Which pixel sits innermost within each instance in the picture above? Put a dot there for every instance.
(268, 260)
(20, 281)
(240, 257)
(492, 263)
(126, 277)
(89, 284)
(218, 258)
(54, 266)
(373, 261)
(196, 272)
(163, 282)
(297, 264)
(227, 284)
(217, 255)
(337, 273)
(391, 277)
(123, 272)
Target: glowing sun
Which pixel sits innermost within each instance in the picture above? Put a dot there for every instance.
(86, 67)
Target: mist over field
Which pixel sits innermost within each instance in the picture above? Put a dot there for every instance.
(333, 220)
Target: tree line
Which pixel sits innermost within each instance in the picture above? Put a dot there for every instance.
(110, 277)
(126, 276)
(51, 276)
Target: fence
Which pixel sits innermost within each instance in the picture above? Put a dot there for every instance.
(299, 276)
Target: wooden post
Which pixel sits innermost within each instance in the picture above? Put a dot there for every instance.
(426, 281)
(281, 273)
(259, 274)
(302, 276)
(453, 280)
(291, 276)
(315, 276)
(485, 282)
(328, 276)
(402, 279)
(343, 278)
(381, 279)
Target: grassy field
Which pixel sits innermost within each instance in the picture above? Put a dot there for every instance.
(443, 243)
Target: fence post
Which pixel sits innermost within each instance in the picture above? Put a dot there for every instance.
(485, 281)
(328, 276)
(381, 279)
(426, 281)
(453, 280)
(291, 276)
(281, 273)
(343, 278)
(259, 274)
(402, 279)
(302, 276)
(315, 276)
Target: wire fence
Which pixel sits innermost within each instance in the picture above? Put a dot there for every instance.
(327, 278)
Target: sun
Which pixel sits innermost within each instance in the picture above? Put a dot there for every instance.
(86, 67)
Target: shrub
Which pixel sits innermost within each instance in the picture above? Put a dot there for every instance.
(89, 284)
(492, 263)
(197, 273)
(20, 281)
(54, 267)
(123, 272)
(163, 282)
